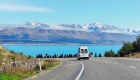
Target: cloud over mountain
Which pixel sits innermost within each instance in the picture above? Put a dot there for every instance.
(95, 33)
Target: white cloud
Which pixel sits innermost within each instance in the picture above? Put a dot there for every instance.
(22, 8)
(112, 31)
(53, 26)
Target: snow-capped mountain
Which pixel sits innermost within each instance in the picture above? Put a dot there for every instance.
(95, 33)
(96, 27)
(35, 24)
(99, 27)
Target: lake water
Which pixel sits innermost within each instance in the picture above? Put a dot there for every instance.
(51, 50)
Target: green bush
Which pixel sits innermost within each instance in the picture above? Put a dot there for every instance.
(126, 49)
(130, 47)
(44, 67)
(110, 53)
(50, 65)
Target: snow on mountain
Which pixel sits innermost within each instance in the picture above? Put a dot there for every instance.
(35, 24)
(91, 26)
(96, 27)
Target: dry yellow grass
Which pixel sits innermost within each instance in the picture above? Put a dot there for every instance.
(24, 69)
(6, 55)
(136, 55)
(1, 47)
(21, 57)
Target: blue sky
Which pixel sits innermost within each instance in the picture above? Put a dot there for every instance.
(120, 13)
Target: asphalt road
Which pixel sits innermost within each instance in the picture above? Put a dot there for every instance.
(93, 69)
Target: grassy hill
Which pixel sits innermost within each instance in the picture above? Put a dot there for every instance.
(16, 66)
(9, 56)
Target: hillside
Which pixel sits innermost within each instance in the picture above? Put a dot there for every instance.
(41, 33)
(6, 56)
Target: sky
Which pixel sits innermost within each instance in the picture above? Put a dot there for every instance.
(119, 13)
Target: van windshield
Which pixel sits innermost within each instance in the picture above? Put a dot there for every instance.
(82, 50)
(86, 51)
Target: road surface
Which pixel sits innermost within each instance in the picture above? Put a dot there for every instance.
(93, 69)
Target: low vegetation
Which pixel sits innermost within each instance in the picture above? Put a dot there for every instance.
(61, 55)
(5, 76)
(128, 49)
(56, 55)
(17, 66)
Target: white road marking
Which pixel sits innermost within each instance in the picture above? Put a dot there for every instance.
(116, 62)
(132, 66)
(78, 77)
(70, 64)
(73, 64)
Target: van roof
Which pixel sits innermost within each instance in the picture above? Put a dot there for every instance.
(83, 47)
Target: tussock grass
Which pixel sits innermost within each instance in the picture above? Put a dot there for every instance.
(16, 72)
(19, 73)
(136, 55)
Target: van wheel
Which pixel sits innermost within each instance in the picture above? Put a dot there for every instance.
(87, 58)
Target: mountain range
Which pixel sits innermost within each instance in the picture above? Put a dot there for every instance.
(65, 34)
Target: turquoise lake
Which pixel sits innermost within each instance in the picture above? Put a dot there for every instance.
(51, 50)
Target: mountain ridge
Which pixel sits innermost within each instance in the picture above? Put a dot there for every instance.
(42, 33)
(87, 27)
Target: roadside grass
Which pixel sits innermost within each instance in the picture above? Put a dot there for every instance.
(52, 66)
(49, 65)
(5, 76)
(22, 73)
(136, 55)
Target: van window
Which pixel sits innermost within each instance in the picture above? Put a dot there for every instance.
(86, 51)
(82, 50)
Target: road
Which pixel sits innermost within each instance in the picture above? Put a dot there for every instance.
(93, 69)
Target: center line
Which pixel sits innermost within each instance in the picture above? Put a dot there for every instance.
(116, 62)
(78, 77)
(132, 66)
(70, 64)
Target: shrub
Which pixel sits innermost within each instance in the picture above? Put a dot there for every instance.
(44, 67)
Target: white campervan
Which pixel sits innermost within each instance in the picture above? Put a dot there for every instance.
(83, 53)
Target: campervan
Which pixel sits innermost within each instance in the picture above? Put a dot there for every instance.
(83, 53)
